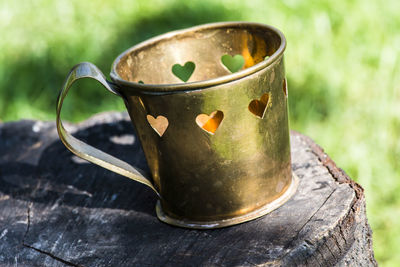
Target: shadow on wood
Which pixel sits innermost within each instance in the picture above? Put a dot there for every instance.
(58, 210)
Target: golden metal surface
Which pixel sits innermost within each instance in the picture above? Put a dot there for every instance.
(83, 150)
(235, 220)
(217, 145)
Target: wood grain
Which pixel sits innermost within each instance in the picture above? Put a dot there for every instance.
(58, 210)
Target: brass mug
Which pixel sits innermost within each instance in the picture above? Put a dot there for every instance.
(209, 104)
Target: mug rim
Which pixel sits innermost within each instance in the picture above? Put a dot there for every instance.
(189, 86)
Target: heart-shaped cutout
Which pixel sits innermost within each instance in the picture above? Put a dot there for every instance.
(184, 72)
(159, 124)
(233, 64)
(210, 123)
(258, 107)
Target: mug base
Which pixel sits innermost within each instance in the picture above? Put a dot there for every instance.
(235, 220)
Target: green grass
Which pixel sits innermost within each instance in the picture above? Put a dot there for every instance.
(342, 63)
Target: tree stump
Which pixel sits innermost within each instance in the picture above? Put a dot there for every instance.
(58, 210)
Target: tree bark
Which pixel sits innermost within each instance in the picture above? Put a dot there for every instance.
(58, 210)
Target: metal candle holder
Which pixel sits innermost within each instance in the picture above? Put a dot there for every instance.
(209, 104)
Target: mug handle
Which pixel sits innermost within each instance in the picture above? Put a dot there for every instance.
(83, 150)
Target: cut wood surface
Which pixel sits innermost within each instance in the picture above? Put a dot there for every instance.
(59, 210)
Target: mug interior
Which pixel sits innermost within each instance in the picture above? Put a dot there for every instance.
(211, 50)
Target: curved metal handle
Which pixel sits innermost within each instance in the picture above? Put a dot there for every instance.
(83, 150)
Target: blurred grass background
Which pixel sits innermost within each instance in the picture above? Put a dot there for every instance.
(342, 64)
